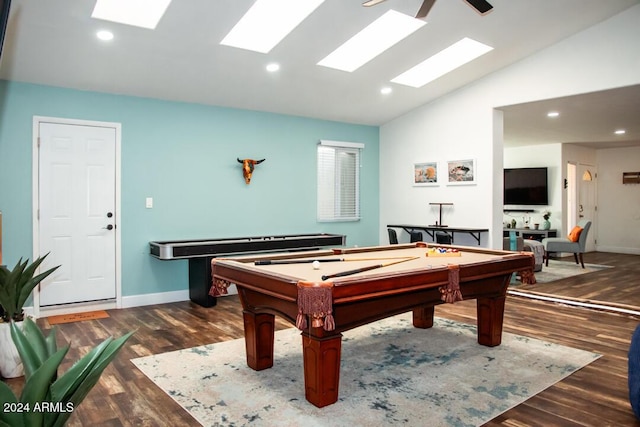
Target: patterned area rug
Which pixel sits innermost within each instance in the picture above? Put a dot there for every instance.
(562, 269)
(391, 374)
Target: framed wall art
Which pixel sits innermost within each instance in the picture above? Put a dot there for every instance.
(461, 172)
(425, 174)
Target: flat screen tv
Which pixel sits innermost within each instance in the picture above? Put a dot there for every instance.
(4, 19)
(526, 186)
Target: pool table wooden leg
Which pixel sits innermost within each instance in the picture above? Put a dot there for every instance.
(490, 312)
(258, 338)
(423, 317)
(321, 357)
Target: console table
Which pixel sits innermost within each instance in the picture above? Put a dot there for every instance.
(432, 229)
(530, 233)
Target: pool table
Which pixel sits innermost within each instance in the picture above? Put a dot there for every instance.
(350, 287)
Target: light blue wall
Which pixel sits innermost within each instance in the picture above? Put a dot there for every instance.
(184, 156)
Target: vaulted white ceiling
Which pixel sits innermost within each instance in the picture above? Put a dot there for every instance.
(54, 43)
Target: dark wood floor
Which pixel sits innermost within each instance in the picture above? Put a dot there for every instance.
(618, 287)
(594, 396)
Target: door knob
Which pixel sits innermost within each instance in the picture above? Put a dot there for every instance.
(109, 214)
(109, 227)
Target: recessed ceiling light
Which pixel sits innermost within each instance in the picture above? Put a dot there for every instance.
(553, 114)
(441, 63)
(374, 39)
(273, 67)
(620, 132)
(267, 22)
(139, 13)
(386, 90)
(105, 35)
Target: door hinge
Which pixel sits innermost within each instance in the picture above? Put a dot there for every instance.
(38, 142)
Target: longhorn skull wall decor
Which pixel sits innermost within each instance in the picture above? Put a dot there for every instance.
(247, 168)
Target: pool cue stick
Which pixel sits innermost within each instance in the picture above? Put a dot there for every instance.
(363, 269)
(306, 261)
(380, 258)
(295, 261)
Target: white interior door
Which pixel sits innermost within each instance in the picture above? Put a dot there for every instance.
(571, 210)
(77, 217)
(586, 180)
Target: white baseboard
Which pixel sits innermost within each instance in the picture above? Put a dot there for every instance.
(162, 298)
(127, 302)
(157, 298)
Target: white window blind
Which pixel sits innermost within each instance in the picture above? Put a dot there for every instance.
(339, 181)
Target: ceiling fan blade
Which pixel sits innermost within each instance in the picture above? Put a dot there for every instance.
(372, 2)
(425, 8)
(481, 6)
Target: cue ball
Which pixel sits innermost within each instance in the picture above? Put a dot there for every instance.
(316, 265)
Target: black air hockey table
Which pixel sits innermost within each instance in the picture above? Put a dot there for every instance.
(199, 253)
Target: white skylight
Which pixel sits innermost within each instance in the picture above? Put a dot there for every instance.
(139, 13)
(441, 63)
(374, 39)
(267, 22)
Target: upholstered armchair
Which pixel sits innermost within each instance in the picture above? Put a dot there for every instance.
(564, 244)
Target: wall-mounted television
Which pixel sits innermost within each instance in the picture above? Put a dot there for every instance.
(4, 19)
(526, 186)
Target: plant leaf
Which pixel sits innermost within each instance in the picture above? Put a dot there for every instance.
(29, 281)
(30, 359)
(66, 384)
(9, 419)
(9, 296)
(4, 291)
(27, 286)
(36, 339)
(17, 285)
(76, 391)
(3, 272)
(50, 340)
(36, 388)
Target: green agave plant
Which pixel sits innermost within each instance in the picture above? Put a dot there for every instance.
(46, 399)
(16, 285)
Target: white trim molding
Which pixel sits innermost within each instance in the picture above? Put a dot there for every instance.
(74, 308)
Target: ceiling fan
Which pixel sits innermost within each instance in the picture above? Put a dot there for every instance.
(481, 6)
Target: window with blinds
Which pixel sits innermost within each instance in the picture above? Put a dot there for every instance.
(339, 181)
